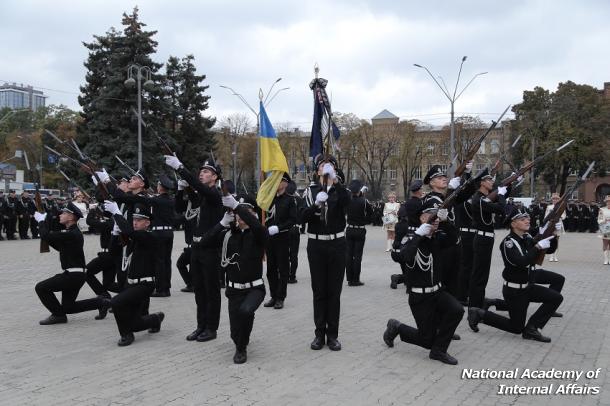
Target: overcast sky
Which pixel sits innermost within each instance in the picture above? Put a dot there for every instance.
(366, 49)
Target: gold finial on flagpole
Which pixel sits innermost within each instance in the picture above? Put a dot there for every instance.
(316, 69)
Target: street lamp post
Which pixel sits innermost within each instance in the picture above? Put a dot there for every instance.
(266, 101)
(139, 72)
(452, 98)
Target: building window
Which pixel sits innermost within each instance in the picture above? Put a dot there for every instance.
(393, 174)
(375, 174)
(482, 148)
(494, 145)
(417, 173)
(445, 149)
(430, 148)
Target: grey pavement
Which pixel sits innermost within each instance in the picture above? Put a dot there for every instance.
(79, 363)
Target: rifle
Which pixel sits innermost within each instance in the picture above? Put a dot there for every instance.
(450, 200)
(44, 244)
(555, 215)
(474, 148)
(524, 169)
(131, 171)
(87, 195)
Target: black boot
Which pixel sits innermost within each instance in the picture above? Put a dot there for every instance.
(53, 319)
(103, 307)
(193, 336)
(279, 304)
(391, 332)
(317, 343)
(532, 333)
(475, 315)
(160, 316)
(240, 356)
(126, 340)
(292, 279)
(206, 335)
(557, 314)
(333, 344)
(270, 303)
(443, 357)
(188, 289)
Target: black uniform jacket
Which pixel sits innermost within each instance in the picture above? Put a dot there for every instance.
(68, 242)
(519, 256)
(282, 213)
(331, 220)
(141, 249)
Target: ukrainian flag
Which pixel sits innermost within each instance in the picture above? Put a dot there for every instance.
(273, 161)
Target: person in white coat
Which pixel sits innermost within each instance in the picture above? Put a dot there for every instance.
(390, 218)
(603, 219)
(554, 200)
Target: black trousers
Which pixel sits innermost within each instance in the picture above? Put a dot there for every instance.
(34, 227)
(465, 272)
(437, 315)
(295, 240)
(165, 242)
(183, 263)
(482, 248)
(242, 305)
(10, 225)
(24, 225)
(517, 302)
(540, 277)
(327, 267)
(355, 239)
(204, 270)
(450, 261)
(121, 276)
(278, 264)
(105, 264)
(130, 308)
(69, 284)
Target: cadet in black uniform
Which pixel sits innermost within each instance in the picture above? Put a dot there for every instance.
(72, 259)
(483, 213)
(102, 223)
(3, 216)
(295, 233)
(281, 218)
(130, 306)
(408, 221)
(437, 313)
(11, 215)
(187, 204)
(325, 217)
(359, 211)
(519, 252)
(205, 258)
(23, 214)
(243, 247)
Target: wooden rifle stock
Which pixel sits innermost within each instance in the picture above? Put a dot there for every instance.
(44, 244)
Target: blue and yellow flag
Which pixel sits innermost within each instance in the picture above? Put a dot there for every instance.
(273, 161)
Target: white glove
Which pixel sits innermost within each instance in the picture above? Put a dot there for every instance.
(227, 219)
(546, 243)
(321, 197)
(229, 201)
(364, 189)
(328, 169)
(273, 230)
(116, 230)
(468, 167)
(424, 230)
(454, 183)
(103, 176)
(94, 180)
(111, 207)
(442, 214)
(182, 184)
(172, 161)
(543, 228)
(502, 190)
(40, 216)
(558, 226)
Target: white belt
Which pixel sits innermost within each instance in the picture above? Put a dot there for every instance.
(74, 270)
(352, 226)
(426, 290)
(411, 228)
(395, 250)
(516, 285)
(246, 285)
(158, 228)
(468, 230)
(485, 233)
(138, 280)
(196, 239)
(326, 236)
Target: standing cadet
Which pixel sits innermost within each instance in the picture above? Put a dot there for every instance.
(23, 213)
(437, 313)
(295, 233)
(187, 203)
(243, 239)
(519, 253)
(70, 246)
(11, 214)
(408, 221)
(359, 211)
(2, 213)
(281, 218)
(205, 258)
(483, 213)
(130, 306)
(326, 205)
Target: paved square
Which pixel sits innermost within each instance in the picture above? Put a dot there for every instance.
(79, 363)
